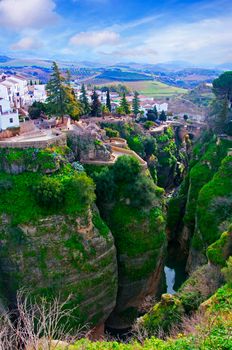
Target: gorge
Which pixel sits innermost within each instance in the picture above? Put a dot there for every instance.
(111, 251)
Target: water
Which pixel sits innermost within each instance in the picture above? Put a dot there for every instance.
(170, 276)
(175, 268)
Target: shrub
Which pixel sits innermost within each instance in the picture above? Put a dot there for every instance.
(49, 192)
(79, 192)
(142, 192)
(111, 132)
(126, 169)
(227, 271)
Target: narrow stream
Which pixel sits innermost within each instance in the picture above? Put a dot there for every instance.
(170, 276)
(174, 269)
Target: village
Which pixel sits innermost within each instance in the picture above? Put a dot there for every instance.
(19, 130)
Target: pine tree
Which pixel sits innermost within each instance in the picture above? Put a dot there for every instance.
(156, 115)
(136, 103)
(163, 117)
(108, 102)
(84, 101)
(96, 105)
(124, 104)
(56, 92)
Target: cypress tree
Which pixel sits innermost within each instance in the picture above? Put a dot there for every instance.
(108, 102)
(96, 105)
(156, 115)
(136, 103)
(84, 101)
(163, 116)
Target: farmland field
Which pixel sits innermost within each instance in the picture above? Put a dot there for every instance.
(151, 88)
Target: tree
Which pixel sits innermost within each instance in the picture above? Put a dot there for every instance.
(149, 146)
(136, 103)
(152, 115)
(163, 117)
(155, 112)
(105, 110)
(126, 169)
(73, 106)
(108, 102)
(56, 92)
(36, 109)
(68, 77)
(96, 105)
(84, 101)
(124, 104)
(222, 86)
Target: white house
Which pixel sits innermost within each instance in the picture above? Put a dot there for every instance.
(35, 93)
(9, 118)
(14, 89)
(146, 106)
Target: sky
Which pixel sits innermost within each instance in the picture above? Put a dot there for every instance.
(112, 31)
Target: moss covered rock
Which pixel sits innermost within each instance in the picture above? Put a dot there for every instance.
(163, 315)
(54, 242)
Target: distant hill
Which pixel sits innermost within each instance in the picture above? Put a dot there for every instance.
(4, 59)
(119, 75)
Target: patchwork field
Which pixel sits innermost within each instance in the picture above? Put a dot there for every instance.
(151, 88)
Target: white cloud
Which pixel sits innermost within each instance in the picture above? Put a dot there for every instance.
(95, 38)
(205, 40)
(27, 43)
(20, 14)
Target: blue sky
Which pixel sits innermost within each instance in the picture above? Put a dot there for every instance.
(111, 31)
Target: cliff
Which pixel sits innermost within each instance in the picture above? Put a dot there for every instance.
(201, 210)
(53, 241)
(133, 207)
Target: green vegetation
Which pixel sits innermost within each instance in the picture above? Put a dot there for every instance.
(151, 88)
(212, 330)
(214, 205)
(29, 195)
(218, 252)
(61, 98)
(131, 204)
(95, 105)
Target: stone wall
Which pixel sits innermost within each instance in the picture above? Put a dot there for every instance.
(59, 140)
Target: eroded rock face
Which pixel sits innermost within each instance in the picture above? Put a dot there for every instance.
(141, 246)
(132, 294)
(61, 256)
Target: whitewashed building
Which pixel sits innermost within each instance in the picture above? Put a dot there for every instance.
(14, 89)
(9, 117)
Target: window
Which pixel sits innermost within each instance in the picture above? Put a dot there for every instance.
(11, 120)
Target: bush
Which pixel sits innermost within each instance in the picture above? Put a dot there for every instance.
(142, 192)
(111, 133)
(49, 192)
(79, 192)
(126, 169)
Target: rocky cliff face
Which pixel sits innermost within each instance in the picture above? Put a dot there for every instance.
(133, 208)
(140, 243)
(201, 210)
(61, 256)
(52, 238)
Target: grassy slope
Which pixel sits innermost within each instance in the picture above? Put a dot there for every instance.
(151, 88)
(212, 331)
